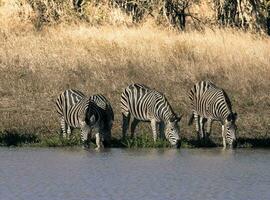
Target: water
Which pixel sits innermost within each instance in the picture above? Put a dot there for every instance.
(73, 174)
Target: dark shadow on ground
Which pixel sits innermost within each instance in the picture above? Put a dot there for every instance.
(15, 138)
(198, 143)
(253, 142)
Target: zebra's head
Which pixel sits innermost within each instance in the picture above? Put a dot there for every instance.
(172, 131)
(105, 126)
(90, 120)
(231, 129)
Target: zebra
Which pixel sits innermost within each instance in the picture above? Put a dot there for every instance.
(210, 103)
(78, 111)
(77, 4)
(148, 105)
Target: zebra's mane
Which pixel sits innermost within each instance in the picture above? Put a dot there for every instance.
(77, 92)
(227, 100)
(226, 97)
(173, 116)
(142, 86)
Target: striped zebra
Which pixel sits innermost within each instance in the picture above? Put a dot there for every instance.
(145, 104)
(210, 103)
(78, 111)
(77, 4)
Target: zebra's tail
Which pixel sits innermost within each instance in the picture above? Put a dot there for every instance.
(191, 119)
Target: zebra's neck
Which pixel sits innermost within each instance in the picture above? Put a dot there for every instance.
(166, 113)
(220, 108)
(224, 114)
(85, 103)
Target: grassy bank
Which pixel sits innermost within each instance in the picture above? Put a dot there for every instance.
(35, 66)
(15, 139)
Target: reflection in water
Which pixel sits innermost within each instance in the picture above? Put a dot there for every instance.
(73, 173)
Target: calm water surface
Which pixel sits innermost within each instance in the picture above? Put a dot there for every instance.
(73, 174)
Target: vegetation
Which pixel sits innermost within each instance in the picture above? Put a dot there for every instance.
(248, 15)
(49, 46)
(15, 139)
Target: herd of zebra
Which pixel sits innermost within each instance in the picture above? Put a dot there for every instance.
(141, 103)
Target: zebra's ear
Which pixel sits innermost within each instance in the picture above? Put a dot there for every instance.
(229, 118)
(92, 119)
(177, 119)
(232, 117)
(235, 116)
(181, 116)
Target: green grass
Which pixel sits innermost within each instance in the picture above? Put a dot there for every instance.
(16, 139)
(56, 141)
(144, 141)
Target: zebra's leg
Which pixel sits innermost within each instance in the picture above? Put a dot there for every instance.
(133, 127)
(85, 130)
(63, 127)
(161, 130)
(125, 124)
(223, 136)
(84, 137)
(203, 128)
(154, 126)
(201, 121)
(208, 128)
(98, 141)
(197, 125)
(68, 132)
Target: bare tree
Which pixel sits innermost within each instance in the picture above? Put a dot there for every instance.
(246, 14)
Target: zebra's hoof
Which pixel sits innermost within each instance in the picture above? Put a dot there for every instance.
(85, 146)
(178, 144)
(233, 145)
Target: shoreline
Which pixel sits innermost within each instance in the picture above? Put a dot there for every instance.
(14, 139)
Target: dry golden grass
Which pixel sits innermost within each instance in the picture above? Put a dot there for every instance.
(36, 66)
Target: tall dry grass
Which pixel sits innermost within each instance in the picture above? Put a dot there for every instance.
(36, 66)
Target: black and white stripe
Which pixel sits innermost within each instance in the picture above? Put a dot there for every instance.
(78, 111)
(210, 103)
(145, 104)
(78, 4)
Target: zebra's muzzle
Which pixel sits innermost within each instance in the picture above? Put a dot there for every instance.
(234, 144)
(177, 144)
